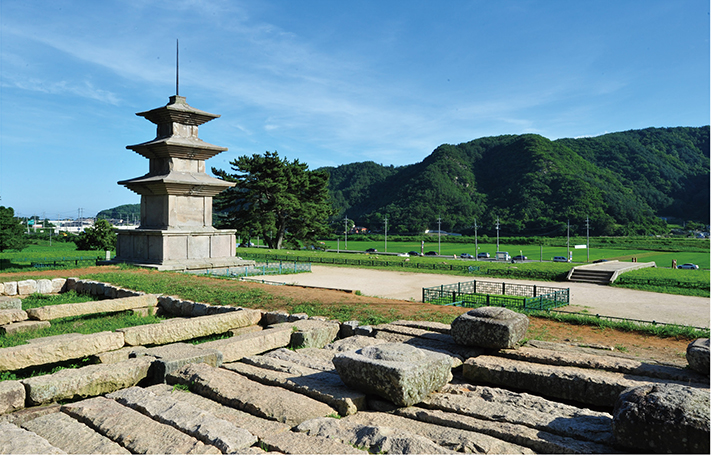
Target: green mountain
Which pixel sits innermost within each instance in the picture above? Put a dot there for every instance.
(122, 212)
(622, 182)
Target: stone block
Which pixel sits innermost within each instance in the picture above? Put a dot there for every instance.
(23, 326)
(2, 289)
(298, 317)
(187, 418)
(364, 330)
(289, 442)
(173, 330)
(120, 355)
(12, 396)
(248, 344)
(71, 284)
(489, 327)
(110, 291)
(10, 316)
(14, 439)
(44, 286)
(10, 287)
(171, 357)
(10, 303)
(348, 329)
(58, 285)
(244, 330)
(400, 373)
(136, 432)
(144, 312)
(87, 381)
(235, 390)
(66, 310)
(26, 287)
(58, 349)
(312, 333)
(274, 317)
(697, 354)
(663, 418)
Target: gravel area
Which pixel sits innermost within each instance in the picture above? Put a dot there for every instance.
(595, 299)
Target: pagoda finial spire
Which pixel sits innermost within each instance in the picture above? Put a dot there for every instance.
(177, 69)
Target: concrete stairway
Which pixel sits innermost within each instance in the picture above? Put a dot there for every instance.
(588, 275)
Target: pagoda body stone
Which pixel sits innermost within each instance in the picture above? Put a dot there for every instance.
(176, 231)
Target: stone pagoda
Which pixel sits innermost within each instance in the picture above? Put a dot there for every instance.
(176, 230)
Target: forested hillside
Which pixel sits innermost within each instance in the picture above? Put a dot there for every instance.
(623, 182)
(122, 212)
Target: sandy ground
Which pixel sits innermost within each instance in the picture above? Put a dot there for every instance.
(594, 299)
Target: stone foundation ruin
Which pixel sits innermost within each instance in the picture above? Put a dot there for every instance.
(148, 389)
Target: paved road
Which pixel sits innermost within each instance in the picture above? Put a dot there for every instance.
(596, 299)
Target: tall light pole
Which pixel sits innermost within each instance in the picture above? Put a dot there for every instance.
(497, 234)
(476, 241)
(386, 233)
(568, 242)
(345, 230)
(439, 234)
(587, 229)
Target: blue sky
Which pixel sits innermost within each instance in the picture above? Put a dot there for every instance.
(327, 82)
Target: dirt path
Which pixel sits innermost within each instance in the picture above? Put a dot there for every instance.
(594, 299)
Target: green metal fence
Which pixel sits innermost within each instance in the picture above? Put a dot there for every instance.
(51, 262)
(486, 293)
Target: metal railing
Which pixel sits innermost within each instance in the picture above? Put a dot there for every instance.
(278, 268)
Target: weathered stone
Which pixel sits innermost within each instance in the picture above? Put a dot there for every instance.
(58, 285)
(425, 325)
(2, 289)
(298, 317)
(187, 418)
(44, 286)
(12, 396)
(298, 443)
(244, 330)
(10, 287)
(110, 291)
(374, 439)
(313, 334)
(133, 430)
(120, 355)
(248, 344)
(88, 381)
(71, 435)
(58, 349)
(536, 440)
(348, 329)
(18, 440)
(489, 327)
(71, 284)
(697, 354)
(315, 359)
(256, 425)
(582, 385)
(171, 357)
(10, 303)
(663, 418)
(399, 373)
(26, 287)
(353, 343)
(239, 392)
(523, 409)
(144, 312)
(323, 386)
(274, 317)
(381, 432)
(173, 330)
(10, 316)
(66, 310)
(17, 418)
(23, 326)
(364, 330)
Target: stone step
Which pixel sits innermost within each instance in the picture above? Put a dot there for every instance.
(178, 329)
(237, 347)
(12, 396)
(71, 436)
(133, 430)
(581, 385)
(50, 312)
(58, 349)
(23, 326)
(8, 316)
(315, 359)
(87, 381)
(187, 418)
(235, 390)
(500, 405)
(14, 439)
(300, 443)
(323, 386)
(10, 303)
(170, 357)
(256, 425)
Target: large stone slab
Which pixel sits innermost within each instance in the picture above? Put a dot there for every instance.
(58, 285)
(12, 315)
(10, 287)
(241, 393)
(323, 386)
(173, 330)
(312, 333)
(314, 359)
(26, 287)
(697, 354)
(50, 312)
(14, 439)
(489, 327)
(663, 418)
(399, 373)
(23, 326)
(10, 303)
(299, 443)
(87, 381)
(502, 405)
(237, 347)
(133, 430)
(256, 425)
(187, 418)
(72, 436)
(171, 357)
(58, 349)
(582, 385)
(186, 308)
(44, 286)
(12, 396)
